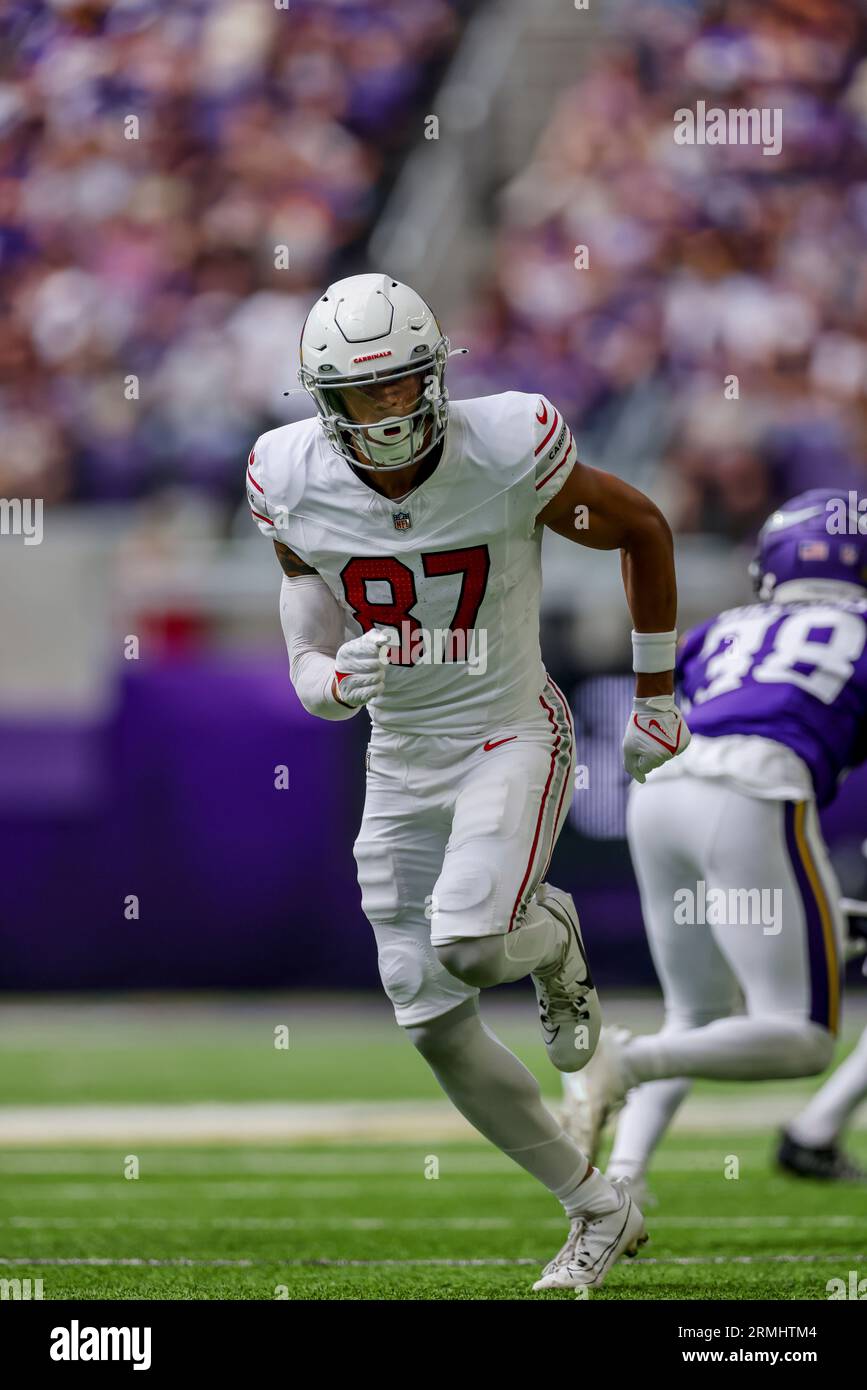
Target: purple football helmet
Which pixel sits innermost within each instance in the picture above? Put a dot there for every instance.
(813, 536)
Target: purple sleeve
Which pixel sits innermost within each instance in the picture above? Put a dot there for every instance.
(688, 649)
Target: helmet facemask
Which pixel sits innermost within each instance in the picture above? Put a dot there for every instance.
(363, 426)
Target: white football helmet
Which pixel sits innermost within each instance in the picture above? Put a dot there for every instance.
(364, 331)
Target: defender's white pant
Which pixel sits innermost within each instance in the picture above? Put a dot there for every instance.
(456, 836)
(685, 832)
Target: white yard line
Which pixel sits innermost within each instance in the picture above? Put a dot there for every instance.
(351, 1162)
(100, 1261)
(118, 1189)
(231, 1122)
(409, 1223)
(345, 1122)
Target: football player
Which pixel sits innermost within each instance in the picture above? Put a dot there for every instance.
(737, 891)
(409, 531)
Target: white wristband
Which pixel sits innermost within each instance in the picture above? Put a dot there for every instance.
(653, 652)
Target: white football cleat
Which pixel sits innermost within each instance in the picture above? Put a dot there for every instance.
(593, 1245)
(569, 1013)
(597, 1092)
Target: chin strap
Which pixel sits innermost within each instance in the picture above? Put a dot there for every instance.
(415, 438)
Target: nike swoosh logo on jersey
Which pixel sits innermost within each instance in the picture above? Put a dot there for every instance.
(672, 747)
(488, 746)
(543, 418)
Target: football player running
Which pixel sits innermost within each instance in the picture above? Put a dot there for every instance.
(409, 530)
(777, 695)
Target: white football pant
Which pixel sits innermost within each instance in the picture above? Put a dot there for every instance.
(456, 836)
(740, 907)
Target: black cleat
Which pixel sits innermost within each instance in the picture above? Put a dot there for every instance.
(830, 1164)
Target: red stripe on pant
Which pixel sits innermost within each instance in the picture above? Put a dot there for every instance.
(568, 719)
(566, 710)
(541, 816)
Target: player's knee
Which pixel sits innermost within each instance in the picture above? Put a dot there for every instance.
(402, 969)
(440, 1039)
(817, 1049)
(412, 974)
(478, 961)
(800, 1047)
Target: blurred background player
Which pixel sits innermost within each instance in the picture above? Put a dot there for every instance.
(409, 532)
(778, 695)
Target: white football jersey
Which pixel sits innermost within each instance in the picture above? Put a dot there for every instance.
(454, 567)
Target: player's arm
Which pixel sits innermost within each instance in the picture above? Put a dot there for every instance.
(290, 564)
(332, 678)
(305, 616)
(321, 663)
(598, 510)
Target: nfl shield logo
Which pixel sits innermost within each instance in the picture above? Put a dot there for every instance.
(402, 521)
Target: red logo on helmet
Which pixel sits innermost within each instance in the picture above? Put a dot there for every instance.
(369, 356)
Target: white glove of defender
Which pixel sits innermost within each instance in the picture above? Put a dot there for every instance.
(359, 669)
(656, 732)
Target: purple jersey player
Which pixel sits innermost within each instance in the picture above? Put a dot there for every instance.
(792, 669)
(739, 898)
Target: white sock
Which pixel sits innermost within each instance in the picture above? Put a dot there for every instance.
(821, 1122)
(591, 1196)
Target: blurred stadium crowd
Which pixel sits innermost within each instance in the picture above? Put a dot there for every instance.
(261, 127)
(704, 261)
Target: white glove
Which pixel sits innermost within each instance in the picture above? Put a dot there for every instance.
(656, 732)
(359, 668)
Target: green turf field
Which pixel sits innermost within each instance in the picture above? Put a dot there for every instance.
(353, 1216)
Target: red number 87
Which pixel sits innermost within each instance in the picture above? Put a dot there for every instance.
(472, 563)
